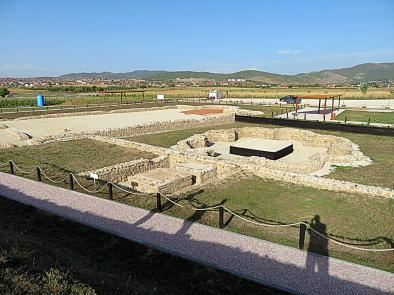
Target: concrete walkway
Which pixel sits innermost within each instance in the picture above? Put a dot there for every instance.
(272, 264)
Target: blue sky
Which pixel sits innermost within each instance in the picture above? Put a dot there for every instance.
(55, 37)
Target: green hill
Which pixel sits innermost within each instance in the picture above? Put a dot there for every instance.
(358, 73)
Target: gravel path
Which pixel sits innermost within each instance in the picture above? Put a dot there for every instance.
(272, 264)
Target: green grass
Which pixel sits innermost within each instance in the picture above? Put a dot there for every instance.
(46, 255)
(71, 156)
(363, 116)
(380, 149)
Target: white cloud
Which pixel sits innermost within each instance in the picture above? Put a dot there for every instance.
(289, 51)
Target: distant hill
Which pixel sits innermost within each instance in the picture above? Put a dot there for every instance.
(358, 73)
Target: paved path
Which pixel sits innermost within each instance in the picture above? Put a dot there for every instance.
(272, 264)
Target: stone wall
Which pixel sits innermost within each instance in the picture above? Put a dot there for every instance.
(339, 151)
(85, 113)
(141, 129)
(320, 182)
(120, 172)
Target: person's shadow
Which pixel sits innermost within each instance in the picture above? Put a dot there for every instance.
(316, 264)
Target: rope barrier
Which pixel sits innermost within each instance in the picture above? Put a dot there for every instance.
(87, 190)
(21, 170)
(206, 209)
(129, 192)
(52, 180)
(350, 246)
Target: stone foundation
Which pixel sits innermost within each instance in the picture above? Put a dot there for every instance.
(166, 181)
(338, 151)
(120, 172)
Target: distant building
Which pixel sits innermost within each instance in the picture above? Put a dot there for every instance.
(215, 94)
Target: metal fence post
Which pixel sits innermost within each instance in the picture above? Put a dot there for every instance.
(158, 202)
(71, 178)
(11, 167)
(38, 173)
(110, 195)
(221, 217)
(301, 241)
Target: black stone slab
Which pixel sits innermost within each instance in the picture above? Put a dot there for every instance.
(248, 152)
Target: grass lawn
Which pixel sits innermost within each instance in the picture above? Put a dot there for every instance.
(380, 149)
(71, 156)
(363, 116)
(38, 256)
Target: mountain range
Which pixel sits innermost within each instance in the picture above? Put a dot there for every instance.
(355, 74)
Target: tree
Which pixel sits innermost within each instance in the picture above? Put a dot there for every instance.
(364, 88)
(4, 91)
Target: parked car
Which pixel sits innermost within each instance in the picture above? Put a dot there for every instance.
(290, 99)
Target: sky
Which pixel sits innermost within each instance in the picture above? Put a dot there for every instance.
(50, 38)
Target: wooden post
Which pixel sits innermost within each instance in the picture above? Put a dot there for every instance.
(369, 121)
(221, 217)
(304, 116)
(110, 195)
(11, 167)
(71, 178)
(318, 110)
(345, 119)
(38, 173)
(301, 241)
(158, 202)
(332, 109)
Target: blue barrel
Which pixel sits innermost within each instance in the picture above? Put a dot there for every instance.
(40, 100)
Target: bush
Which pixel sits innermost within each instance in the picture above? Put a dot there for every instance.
(4, 91)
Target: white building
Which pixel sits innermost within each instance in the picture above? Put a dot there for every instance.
(215, 94)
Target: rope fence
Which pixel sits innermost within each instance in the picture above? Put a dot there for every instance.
(304, 226)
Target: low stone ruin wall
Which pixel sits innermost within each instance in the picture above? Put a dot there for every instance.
(340, 151)
(167, 126)
(320, 182)
(84, 113)
(120, 172)
(140, 129)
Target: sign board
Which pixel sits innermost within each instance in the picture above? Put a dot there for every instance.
(160, 97)
(93, 176)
